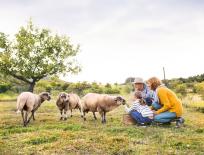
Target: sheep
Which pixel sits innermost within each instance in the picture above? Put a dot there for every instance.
(67, 102)
(101, 103)
(75, 103)
(30, 102)
(62, 104)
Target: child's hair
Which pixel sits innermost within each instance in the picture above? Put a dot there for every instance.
(138, 95)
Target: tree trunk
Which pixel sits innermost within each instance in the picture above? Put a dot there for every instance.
(31, 87)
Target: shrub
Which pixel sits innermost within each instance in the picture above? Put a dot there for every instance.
(4, 87)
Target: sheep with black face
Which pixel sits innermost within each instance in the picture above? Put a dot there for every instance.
(67, 102)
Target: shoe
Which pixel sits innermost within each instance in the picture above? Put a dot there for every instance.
(142, 125)
(179, 122)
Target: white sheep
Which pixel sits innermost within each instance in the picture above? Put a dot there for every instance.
(75, 103)
(101, 103)
(30, 102)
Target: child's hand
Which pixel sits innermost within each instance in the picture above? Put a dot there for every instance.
(154, 112)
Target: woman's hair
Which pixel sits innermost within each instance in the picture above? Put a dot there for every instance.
(154, 82)
(138, 95)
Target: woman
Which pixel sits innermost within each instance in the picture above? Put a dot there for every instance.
(168, 106)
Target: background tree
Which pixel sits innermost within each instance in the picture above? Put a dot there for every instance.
(36, 53)
(129, 80)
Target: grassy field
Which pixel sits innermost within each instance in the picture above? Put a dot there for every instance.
(49, 135)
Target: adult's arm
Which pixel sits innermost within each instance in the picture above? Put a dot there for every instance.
(164, 101)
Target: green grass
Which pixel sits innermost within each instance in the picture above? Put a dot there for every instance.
(49, 135)
(8, 96)
(194, 103)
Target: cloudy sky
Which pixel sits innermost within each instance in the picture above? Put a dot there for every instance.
(120, 38)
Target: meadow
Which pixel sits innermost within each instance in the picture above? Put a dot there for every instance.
(49, 135)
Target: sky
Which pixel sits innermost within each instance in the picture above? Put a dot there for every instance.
(120, 38)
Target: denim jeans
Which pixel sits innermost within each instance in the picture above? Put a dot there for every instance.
(139, 118)
(163, 117)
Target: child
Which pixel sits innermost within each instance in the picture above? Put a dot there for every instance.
(140, 111)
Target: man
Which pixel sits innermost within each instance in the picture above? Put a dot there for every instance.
(147, 94)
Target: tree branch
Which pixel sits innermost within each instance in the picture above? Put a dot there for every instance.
(20, 77)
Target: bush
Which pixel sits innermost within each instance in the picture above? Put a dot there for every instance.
(182, 89)
(127, 88)
(111, 91)
(4, 87)
(199, 88)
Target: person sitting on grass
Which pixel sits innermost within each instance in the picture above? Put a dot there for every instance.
(139, 110)
(167, 106)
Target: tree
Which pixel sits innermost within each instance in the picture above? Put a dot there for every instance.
(129, 80)
(36, 53)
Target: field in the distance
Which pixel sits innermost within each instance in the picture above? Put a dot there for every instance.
(48, 135)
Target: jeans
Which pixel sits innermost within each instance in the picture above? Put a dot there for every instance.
(163, 117)
(139, 118)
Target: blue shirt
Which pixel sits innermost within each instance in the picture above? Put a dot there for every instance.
(148, 95)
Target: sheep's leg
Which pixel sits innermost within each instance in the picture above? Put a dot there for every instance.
(22, 114)
(102, 113)
(104, 117)
(26, 119)
(81, 111)
(61, 115)
(65, 114)
(33, 115)
(84, 115)
(94, 116)
(71, 112)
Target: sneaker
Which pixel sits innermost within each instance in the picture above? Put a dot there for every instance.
(179, 122)
(141, 125)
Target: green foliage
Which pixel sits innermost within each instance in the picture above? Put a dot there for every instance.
(199, 88)
(127, 88)
(37, 53)
(80, 88)
(4, 87)
(182, 89)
